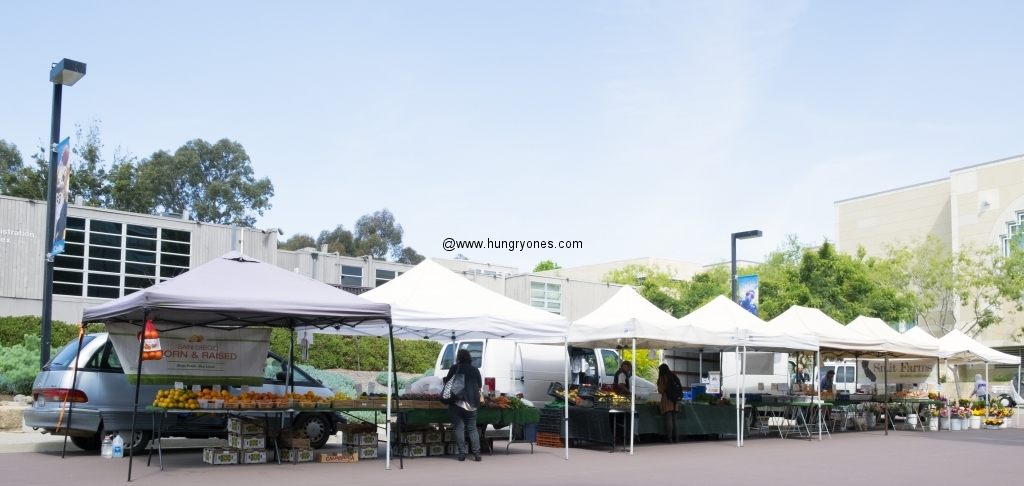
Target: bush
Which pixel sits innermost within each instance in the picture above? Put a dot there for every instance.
(335, 381)
(14, 329)
(331, 351)
(19, 365)
(382, 380)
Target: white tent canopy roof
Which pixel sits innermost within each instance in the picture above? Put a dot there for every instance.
(957, 345)
(729, 326)
(895, 343)
(920, 335)
(432, 302)
(628, 315)
(831, 334)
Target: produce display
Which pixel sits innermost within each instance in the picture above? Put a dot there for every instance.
(176, 398)
(504, 402)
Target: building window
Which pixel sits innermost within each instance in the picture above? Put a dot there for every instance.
(1014, 236)
(105, 259)
(385, 276)
(546, 296)
(352, 276)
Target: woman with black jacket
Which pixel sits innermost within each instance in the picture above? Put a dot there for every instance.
(463, 411)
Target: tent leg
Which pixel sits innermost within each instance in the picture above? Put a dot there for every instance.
(885, 393)
(138, 386)
(565, 410)
(632, 400)
(74, 384)
(819, 403)
(738, 370)
(392, 382)
(957, 395)
(742, 395)
(988, 391)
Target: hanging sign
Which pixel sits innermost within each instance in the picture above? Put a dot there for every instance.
(60, 209)
(194, 355)
(747, 290)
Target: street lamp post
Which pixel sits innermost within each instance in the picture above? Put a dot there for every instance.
(743, 235)
(64, 73)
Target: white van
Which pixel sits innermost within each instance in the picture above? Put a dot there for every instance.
(530, 368)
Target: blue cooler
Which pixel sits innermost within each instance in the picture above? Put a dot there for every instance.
(697, 390)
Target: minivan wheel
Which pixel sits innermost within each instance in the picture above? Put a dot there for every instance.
(87, 443)
(138, 446)
(317, 428)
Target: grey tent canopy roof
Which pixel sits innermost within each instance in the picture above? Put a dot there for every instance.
(238, 290)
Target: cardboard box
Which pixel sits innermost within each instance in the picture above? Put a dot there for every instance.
(244, 426)
(220, 456)
(433, 437)
(301, 455)
(247, 441)
(367, 452)
(412, 438)
(435, 450)
(449, 436)
(293, 443)
(449, 449)
(360, 439)
(414, 451)
(337, 458)
(349, 429)
(253, 456)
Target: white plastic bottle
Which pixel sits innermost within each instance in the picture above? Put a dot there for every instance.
(118, 446)
(107, 448)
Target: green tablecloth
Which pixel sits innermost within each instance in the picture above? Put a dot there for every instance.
(483, 416)
(693, 419)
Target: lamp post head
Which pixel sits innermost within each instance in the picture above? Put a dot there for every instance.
(67, 72)
(744, 235)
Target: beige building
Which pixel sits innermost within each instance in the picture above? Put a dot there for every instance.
(981, 205)
(680, 270)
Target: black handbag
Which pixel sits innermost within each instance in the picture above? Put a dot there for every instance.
(453, 388)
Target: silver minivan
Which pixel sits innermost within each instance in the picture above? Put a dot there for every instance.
(104, 400)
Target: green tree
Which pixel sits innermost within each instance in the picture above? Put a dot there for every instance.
(88, 174)
(378, 234)
(297, 242)
(130, 185)
(546, 265)
(410, 257)
(338, 240)
(10, 157)
(26, 181)
(978, 281)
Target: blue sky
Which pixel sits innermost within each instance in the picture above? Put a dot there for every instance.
(640, 128)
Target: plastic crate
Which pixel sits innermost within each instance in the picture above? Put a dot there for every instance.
(550, 440)
(555, 388)
(585, 391)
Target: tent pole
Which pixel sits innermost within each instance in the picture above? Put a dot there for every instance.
(392, 379)
(988, 392)
(632, 399)
(743, 395)
(74, 384)
(885, 394)
(290, 383)
(957, 395)
(738, 370)
(138, 385)
(565, 397)
(819, 402)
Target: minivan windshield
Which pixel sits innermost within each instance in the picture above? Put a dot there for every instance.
(63, 358)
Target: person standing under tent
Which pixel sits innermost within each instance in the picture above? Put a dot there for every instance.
(463, 411)
(671, 390)
(800, 376)
(826, 381)
(980, 388)
(621, 379)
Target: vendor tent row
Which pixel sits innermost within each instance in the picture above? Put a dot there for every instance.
(432, 302)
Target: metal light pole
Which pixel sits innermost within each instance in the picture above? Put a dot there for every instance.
(64, 73)
(743, 235)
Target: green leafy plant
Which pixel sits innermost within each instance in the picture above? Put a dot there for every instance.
(368, 353)
(382, 380)
(19, 365)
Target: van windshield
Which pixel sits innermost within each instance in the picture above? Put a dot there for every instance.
(447, 356)
(62, 360)
(476, 350)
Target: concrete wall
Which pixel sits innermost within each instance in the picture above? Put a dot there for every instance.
(899, 215)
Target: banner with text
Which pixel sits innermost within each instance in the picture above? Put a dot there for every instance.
(900, 371)
(195, 355)
(60, 208)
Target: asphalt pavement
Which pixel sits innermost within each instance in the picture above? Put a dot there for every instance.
(901, 458)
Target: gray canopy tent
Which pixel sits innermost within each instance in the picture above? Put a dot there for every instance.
(236, 291)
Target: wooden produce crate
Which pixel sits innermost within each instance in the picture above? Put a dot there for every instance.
(550, 440)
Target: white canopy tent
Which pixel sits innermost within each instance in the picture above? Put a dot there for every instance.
(432, 302)
(895, 344)
(628, 318)
(732, 327)
(958, 346)
(833, 337)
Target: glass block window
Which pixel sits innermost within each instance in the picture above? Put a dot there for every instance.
(351, 276)
(546, 296)
(106, 259)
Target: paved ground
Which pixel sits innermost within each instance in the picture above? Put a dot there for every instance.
(902, 458)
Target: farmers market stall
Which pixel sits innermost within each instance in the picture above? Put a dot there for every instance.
(432, 302)
(231, 294)
(960, 348)
(734, 328)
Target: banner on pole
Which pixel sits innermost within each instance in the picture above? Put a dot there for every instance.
(195, 355)
(748, 292)
(60, 209)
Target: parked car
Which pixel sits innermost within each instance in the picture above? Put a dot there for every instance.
(104, 400)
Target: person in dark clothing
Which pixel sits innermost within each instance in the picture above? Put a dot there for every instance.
(621, 380)
(669, 407)
(463, 411)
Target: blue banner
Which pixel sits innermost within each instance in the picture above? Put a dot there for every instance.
(60, 208)
(748, 292)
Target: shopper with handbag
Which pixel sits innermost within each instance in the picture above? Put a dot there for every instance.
(462, 394)
(671, 390)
